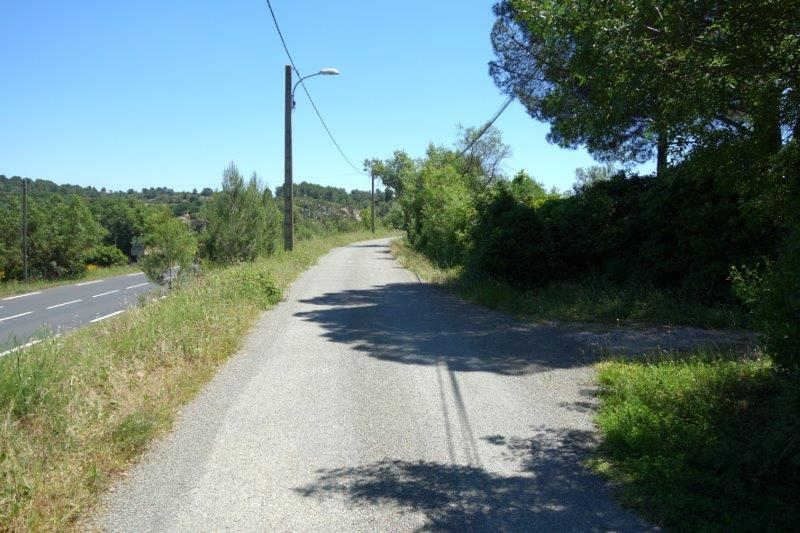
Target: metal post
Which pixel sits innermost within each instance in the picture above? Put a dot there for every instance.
(373, 201)
(288, 191)
(25, 228)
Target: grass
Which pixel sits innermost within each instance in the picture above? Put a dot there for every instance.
(76, 411)
(590, 300)
(10, 288)
(705, 442)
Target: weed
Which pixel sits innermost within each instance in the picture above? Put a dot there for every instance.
(703, 442)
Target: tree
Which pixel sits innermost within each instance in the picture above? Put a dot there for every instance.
(486, 154)
(123, 219)
(392, 172)
(242, 220)
(170, 248)
(586, 177)
(627, 78)
(61, 231)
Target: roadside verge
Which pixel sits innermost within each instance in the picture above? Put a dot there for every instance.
(76, 411)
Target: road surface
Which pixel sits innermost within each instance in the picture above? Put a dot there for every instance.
(30, 316)
(368, 401)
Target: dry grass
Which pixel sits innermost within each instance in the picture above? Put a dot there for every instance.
(78, 410)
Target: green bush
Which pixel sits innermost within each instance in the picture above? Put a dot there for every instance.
(773, 294)
(680, 231)
(105, 255)
(170, 248)
(439, 210)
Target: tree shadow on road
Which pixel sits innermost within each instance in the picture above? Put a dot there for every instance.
(416, 323)
(550, 492)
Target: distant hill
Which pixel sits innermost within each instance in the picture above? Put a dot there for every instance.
(313, 202)
(179, 202)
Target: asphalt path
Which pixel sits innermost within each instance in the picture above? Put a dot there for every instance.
(25, 318)
(368, 401)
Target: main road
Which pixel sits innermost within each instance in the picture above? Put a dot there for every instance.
(25, 318)
(368, 401)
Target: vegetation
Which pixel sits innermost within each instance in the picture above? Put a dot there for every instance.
(171, 248)
(242, 221)
(77, 410)
(703, 442)
(72, 229)
(594, 300)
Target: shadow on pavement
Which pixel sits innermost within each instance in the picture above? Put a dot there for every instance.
(415, 323)
(551, 492)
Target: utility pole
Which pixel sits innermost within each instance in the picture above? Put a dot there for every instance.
(373, 201)
(288, 188)
(25, 228)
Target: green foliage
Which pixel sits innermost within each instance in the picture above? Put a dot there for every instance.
(105, 255)
(681, 230)
(60, 232)
(438, 207)
(704, 442)
(588, 299)
(627, 77)
(242, 221)
(123, 218)
(170, 248)
(773, 293)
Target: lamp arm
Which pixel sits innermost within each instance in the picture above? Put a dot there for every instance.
(300, 81)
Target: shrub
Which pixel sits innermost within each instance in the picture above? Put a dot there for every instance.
(773, 294)
(170, 248)
(105, 255)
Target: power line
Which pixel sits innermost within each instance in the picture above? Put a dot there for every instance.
(308, 94)
(487, 125)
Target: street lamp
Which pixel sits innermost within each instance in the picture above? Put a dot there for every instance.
(288, 188)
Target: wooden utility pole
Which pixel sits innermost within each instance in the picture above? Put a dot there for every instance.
(373, 201)
(288, 188)
(25, 228)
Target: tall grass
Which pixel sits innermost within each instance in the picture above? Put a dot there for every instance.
(705, 442)
(588, 300)
(75, 411)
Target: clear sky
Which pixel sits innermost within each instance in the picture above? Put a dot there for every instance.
(153, 93)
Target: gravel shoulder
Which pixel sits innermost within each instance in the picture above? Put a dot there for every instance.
(369, 401)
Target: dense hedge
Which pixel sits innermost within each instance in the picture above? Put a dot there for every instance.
(684, 230)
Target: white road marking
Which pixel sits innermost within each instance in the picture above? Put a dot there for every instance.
(21, 347)
(65, 303)
(115, 313)
(137, 285)
(21, 295)
(15, 316)
(104, 293)
(135, 274)
(89, 282)
(27, 345)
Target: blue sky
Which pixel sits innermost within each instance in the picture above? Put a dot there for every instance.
(151, 93)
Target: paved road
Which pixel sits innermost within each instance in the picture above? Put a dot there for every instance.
(368, 401)
(52, 311)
